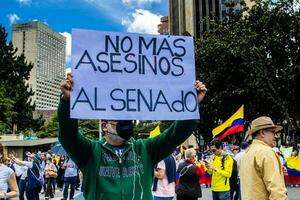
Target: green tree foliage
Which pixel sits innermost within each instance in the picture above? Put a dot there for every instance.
(90, 128)
(49, 128)
(6, 105)
(252, 60)
(14, 72)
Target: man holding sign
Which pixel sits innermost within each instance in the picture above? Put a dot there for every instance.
(118, 166)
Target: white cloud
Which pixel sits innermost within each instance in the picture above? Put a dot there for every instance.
(148, 1)
(26, 2)
(13, 18)
(140, 2)
(68, 48)
(142, 21)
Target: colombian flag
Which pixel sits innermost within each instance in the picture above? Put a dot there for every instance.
(234, 124)
(154, 132)
(293, 169)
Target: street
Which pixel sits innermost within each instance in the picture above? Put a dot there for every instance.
(293, 194)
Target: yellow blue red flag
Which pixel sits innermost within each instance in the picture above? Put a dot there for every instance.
(154, 132)
(234, 124)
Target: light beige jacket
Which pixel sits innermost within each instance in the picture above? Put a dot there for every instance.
(261, 174)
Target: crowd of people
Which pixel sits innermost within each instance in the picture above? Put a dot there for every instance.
(40, 173)
(219, 168)
(181, 174)
(120, 167)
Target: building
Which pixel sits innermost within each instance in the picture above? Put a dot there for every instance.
(18, 147)
(163, 27)
(194, 16)
(46, 49)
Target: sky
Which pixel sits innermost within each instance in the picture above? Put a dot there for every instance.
(140, 16)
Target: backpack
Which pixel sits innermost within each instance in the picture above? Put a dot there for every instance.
(233, 180)
(35, 181)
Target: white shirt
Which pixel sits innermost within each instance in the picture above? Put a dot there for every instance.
(5, 173)
(164, 188)
(71, 169)
(238, 157)
(18, 170)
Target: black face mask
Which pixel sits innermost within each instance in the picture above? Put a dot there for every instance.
(125, 129)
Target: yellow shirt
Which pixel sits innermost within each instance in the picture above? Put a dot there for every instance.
(261, 174)
(220, 177)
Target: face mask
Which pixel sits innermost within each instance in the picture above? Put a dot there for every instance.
(125, 129)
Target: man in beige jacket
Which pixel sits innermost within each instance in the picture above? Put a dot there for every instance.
(260, 170)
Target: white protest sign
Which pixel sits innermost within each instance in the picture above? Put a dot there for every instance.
(132, 76)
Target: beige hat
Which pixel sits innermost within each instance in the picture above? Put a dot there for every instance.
(262, 123)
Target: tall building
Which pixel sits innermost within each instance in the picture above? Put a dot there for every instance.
(193, 16)
(46, 49)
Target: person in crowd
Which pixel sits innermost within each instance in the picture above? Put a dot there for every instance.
(7, 179)
(60, 173)
(235, 150)
(9, 164)
(43, 166)
(188, 187)
(207, 177)
(220, 168)
(164, 180)
(124, 165)
(23, 181)
(70, 178)
(35, 179)
(238, 156)
(54, 162)
(260, 168)
(50, 174)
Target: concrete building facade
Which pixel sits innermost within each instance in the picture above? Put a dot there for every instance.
(46, 49)
(194, 16)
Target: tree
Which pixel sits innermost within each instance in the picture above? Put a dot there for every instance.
(14, 72)
(6, 105)
(252, 60)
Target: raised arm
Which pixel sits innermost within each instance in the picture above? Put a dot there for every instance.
(163, 144)
(75, 144)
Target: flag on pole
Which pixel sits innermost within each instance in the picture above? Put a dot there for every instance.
(234, 124)
(154, 132)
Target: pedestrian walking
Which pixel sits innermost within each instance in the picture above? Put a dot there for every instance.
(261, 173)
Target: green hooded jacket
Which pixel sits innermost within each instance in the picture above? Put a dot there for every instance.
(109, 176)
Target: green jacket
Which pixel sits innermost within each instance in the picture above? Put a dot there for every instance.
(110, 177)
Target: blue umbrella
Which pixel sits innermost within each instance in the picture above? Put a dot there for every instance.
(58, 150)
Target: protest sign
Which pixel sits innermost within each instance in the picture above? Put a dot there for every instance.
(132, 76)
